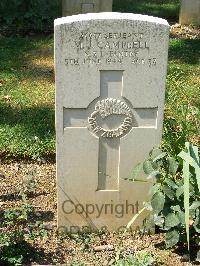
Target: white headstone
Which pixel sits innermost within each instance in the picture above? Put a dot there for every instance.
(74, 7)
(190, 12)
(110, 88)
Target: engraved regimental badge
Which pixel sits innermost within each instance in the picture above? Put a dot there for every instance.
(105, 108)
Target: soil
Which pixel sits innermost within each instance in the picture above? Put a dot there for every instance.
(72, 247)
(184, 32)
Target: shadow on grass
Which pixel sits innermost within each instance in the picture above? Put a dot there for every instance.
(167, 9)
(185, 51)
(12, 51)
(37, 121)
(30, 130)
(15, 55)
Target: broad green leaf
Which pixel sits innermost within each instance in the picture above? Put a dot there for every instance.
(176, 208)
(172, 238)
(157, 202)
(136, 170)
(149, 224)
(192, 188)
(155, 152)
(147, 167)
(197, 229)
(156, 187)
(173, 166)
(179, 182)
(179, 191)
(171, 220)
(195, 205)
(181, 217)
(190, 161)
(192, 213)
(171, 183)
(158, 220)
(197, 221)
(159, 157)
(168, 192)
(147, 205)
(154, 174)
(198, 182)
(194, 153)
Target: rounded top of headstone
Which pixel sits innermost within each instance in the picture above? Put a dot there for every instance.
(109, 16)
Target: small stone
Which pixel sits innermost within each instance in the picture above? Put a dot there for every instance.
(186, 258)
(198, 256)
(111, 262)
(49, 226)
(38, 214)
(104, 248)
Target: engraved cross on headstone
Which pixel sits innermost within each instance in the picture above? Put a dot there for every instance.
(110, 117)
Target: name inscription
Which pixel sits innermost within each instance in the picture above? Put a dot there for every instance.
(111, 48)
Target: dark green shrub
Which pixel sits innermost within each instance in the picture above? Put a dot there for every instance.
(22, 16)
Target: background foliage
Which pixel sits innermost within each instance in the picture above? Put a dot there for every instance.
(24, 16)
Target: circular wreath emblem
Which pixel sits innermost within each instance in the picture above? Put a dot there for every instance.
(105, 108)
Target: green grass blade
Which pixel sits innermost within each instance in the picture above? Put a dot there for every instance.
(195, 155)
(186, 199)
(191, 161)
(186, 175)
(134, 218)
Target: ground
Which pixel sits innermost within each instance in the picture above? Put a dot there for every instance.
(28, 139)
(73, 248)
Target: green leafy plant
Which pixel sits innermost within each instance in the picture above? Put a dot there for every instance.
(17, 232)
(141, 258)
(175, 201)
(29, 182)
(77, 263)
(18, 229)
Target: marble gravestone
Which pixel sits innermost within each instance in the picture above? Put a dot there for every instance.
(190, 12)
(110, 88)
(74, 7)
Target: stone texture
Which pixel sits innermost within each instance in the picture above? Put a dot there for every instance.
(74, 7)
(190, 12)
(110, 87)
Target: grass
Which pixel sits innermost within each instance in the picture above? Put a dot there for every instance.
(27, 96)
(182, 114)
(159, 8)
